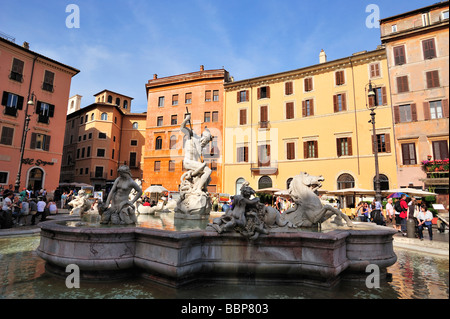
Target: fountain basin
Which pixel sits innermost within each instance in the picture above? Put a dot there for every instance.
(176, 258)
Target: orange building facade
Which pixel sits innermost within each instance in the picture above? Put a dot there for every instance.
(417, 48)
(99, 138)
(34, 85)
(169, 98)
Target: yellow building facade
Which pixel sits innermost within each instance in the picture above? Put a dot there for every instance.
(314, 119)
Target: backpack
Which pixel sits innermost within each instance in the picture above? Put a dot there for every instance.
(398, 207)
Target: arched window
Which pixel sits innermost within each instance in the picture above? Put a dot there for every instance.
(264, 182)
(125, 104)
(173, 142)
(117, 101)
(288, 182)
(104, 116)
(384, 182)
(345, 181)
(239, 183)
(109, 99)
(135, 125)
(158, 143)
(72, 104)
(92, 116)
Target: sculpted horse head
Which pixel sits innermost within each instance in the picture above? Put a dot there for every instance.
(304, 184)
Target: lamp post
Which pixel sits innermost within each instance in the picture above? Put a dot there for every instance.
(371, 105)
(30, 102)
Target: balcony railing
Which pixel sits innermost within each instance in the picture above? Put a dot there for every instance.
(264, 124)
(95, 175)
(16, 76)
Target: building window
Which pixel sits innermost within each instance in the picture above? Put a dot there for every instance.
(310, 149)
(207, 117)
(133, 142)
(340, 78)
(239, 183)
(88, 152)
(158, 143)
(4, 177)
(436, 110)
(49, 77)
(157, 166)
(399, 55)
(214, 150)
(135, 125)
(171, 166)
(263, 92)
(40, 142)
(264, 182)
(112, 153)
(188, 98)
(290, 150)
(159, 121)
(117, 101)
(308, 108)
(100, 152)
(402, 84)
(289, 88)
(384, 182)
(429, 49)
(86, 170)
(12, 103)
(242, 96)
(161, 101)
(133, 163)
(216, 95)
(374, 70)
(344, 146)
(104, 116)
(101, 135)
(425, 19)
(208, 96)
(405, 113)
(84, 137)
(264, 116)
(99, 171)
(175, 99)
(383, 143)
(215, 116)
(242, 154)
(380, 97)
(82, 152)
(7, 135)
(394, 28)
(242, 116)
(90, 136)
(345, 181)
(110, 99)
(289, 110)
(444, 15)
(173, 142)
(409, 154)
(78, 153)
(45, 111)
(264, 155)
(92, 116)
(213, 165)
(17, 70)
(125, 104)
(339, 102)
(308, 83)
(432, 79)
(440, 150)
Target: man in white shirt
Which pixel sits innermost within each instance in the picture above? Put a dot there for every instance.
(7, 202)
(6, 212)
(40, 211)
(424, 219)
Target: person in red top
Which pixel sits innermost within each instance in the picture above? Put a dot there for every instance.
(404, 213)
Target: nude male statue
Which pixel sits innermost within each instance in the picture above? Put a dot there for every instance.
(192, 155)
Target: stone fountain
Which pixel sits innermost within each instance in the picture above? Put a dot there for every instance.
(251, 243)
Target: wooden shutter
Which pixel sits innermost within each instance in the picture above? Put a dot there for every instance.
(243, 117)
(344, 101)
(33, 141)
(264, 115)
(432, 79)
(396, 114)
(311, 107)
(445, 108)
(51, 110)
(405, 154)
(49, 77)
(238, 93)
(290, 110)
(19, 102)
(305, 149)
(290, 150)
(267, 91)
(414, 112)
(335, 103)
(429, 50)
(399, 55)
(338, 147)
(17, 66)
(316, 149)
(239, 154)
(7, 135)
(5, 98)
(289, 88)
(387, 140)
(349, 146)
(258, 93)
(303, 108)
(384, 95)
(247, 95)
(426, 111)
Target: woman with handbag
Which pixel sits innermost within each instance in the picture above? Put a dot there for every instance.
(424, 219)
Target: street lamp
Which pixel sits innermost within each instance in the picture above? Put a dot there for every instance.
(371, 105)
(30, 102)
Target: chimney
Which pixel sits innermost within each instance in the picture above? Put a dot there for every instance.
(322, 57)
(202, 67)
(155, 76)
(26, 45)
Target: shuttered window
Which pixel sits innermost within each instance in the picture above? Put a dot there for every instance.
(289, 110)
(308, 108)
(344, 146)
(402, 84)
(308, 82)
(263, 155)
(310, 149)
(264, 113)
(242, 96)
(243, 117)
(49, 78)
(175, 99)
(17, 70)
(409, 154)
(383, 143)
(340, 79)
(374, 70)
(215, 116)
(242, 154)
(290, 150)
(399, 55)
(208, 96)
(263, 92)
(188, 98)
(40, 141)
(339, 102)
(157, 166)
(432, 79)
(440, 150)
(429, 49)
(289, 88)
(7, 135)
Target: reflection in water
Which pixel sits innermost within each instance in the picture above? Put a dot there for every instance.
(22, 275)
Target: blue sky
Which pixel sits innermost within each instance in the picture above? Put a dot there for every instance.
(121, 44)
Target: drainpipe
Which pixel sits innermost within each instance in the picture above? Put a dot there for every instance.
(356, 118)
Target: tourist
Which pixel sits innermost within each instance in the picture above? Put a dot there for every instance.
(41, 204)
(17, 210)
(63, 199)
(6, 220)
(23, 194)
(403, 214)
(359, 210)
(25, 208)
(390, 212)
(52, 208)
(425, 219)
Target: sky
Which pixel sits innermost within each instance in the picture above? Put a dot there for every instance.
(119, 45)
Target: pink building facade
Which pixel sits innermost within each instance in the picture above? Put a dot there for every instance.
(34, 85)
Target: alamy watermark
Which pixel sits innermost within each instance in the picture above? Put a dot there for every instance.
(73, 279)
(373, 279)
(73, 19)
(373, 19)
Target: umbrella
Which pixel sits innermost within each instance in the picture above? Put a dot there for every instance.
(396, 195)
(269, 190)
(155, 189)
(284, 192)
(352, 191)
(410, 191)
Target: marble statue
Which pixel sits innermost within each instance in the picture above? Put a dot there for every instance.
(308, 210)
(80, 204)
(248, 216)
(118, 208)
(194, 201)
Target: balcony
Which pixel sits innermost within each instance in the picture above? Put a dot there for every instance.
(264, 124)
(437, 172)
(270, 168)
